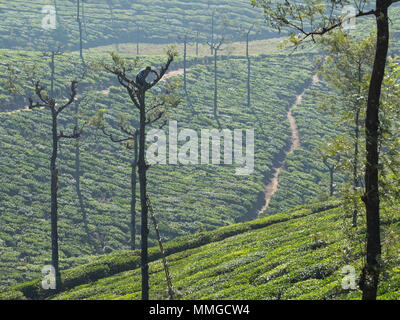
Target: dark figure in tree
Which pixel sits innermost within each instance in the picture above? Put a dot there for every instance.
(142, 75)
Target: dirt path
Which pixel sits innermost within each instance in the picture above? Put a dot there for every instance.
(174, 73)
(18, 111)
(273, 186)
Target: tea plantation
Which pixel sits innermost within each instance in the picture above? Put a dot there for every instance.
(217, 246)
(119, 21)
(186, 198)
(298, 254)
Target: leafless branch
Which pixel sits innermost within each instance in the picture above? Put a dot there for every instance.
(74, 85)
(75, 134)
(326, 29)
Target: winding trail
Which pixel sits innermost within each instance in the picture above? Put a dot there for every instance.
(18, 110)
(174, 73)
(272, 187)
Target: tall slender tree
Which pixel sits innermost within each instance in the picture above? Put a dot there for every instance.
(186, 39)
(84, 19)
(46, 100)
(197, 42)
(216, 48)
(79, 21)
(211, 42)
(247, 33)
(53, 54)
(78, 171)
(331, 160)
(138, 32)
(171, 290)
(148, 112)
(79, 5)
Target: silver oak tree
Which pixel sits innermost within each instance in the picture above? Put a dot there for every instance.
(149, 112)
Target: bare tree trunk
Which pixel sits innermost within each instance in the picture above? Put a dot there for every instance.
(77, 147)
(56, 10)
(248, 72)
(143, 199)
(371, 271)
(355, 164)
(331, 169)
(356, 147)
(215, 85)
(212, 33)
(83, 18)
(133, 193)
(77, 150)
(78, 19)
(52, 67)
(184, 63)
(78, 174)
(164, 259)
(54, 202)
(137, 40)
(54, 184)
(197, 43)
(216, 88)
(331, 185)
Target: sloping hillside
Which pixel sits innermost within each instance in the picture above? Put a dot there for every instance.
(118, 21)
(186, 199)
(294, 255)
